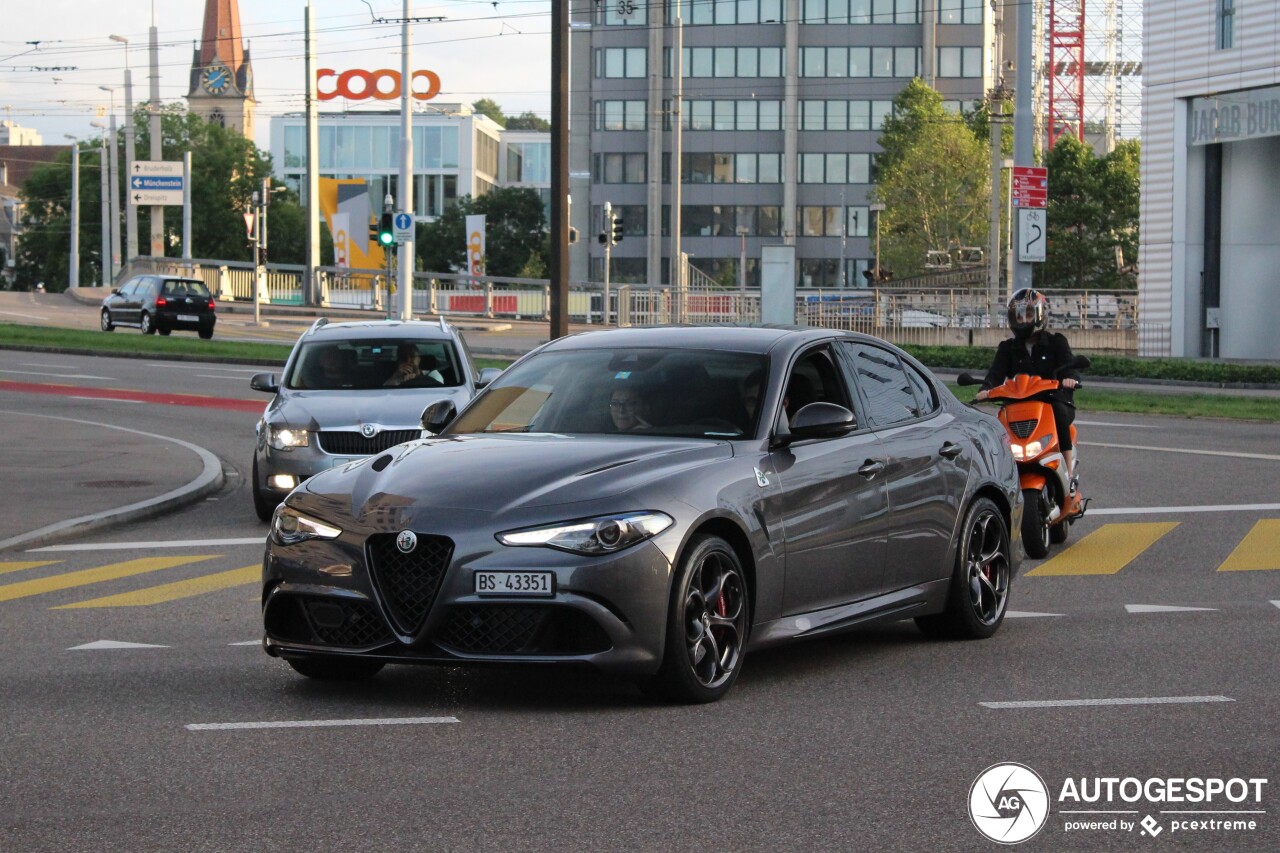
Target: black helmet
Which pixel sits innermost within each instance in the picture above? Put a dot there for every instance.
(1028, 312)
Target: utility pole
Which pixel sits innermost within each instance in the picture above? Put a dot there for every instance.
(186, 205)
(114, 180)
(877, 209)
(405, 280)
(1023, 126)
(131, 210)
(844, 233)
(257, 259)
(996, 119)
(153, 106)
(559, 307)
(74, 260)
(677, 172)
(313, 294)
(606, 237)
(104, 253)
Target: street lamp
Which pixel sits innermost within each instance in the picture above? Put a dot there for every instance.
(104, 251)
(115, 187)
(73, 277)
(131, 211)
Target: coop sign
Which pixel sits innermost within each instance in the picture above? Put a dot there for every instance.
(358, 84)
(1236, 116)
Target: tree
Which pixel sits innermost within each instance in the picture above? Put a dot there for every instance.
(933, 179)
(528, 121)
(515, 234)
(490, 108)
(1092, 212)
(44, 249)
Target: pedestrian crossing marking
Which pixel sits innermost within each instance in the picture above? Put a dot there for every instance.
(1258, 551)
(114, 571)
(175, 590)
(5, 568)
(1105, 551)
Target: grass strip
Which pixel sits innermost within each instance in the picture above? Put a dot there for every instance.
(1174, 405)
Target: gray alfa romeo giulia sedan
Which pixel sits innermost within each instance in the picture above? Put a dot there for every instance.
(654, 503)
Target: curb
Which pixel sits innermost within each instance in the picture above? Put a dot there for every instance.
(209, 480)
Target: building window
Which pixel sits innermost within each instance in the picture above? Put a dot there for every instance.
(620, 115)
(724, 11)
(619, 168)
(960, 11)
(1226, 24)
(834, 168)
(621, 62)
(959, 62)
(727, 62)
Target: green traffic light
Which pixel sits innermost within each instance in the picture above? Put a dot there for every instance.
(386, 239)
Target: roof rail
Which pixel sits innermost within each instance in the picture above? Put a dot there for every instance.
(444, 327)
(318, 324)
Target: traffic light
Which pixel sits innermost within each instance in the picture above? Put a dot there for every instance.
(616, 236)
(386, 229)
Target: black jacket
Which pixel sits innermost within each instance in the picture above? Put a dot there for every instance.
(1049, 351)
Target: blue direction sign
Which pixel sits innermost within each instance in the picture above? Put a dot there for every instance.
(403, 223)
(153, 182)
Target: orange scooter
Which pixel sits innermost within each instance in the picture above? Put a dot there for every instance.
(1052, 499)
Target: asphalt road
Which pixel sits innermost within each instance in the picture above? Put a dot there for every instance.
(867, 741)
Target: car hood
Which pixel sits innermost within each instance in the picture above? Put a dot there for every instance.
(386, 407)
(500, 474)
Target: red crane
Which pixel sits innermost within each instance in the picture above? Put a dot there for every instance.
(1066, 69)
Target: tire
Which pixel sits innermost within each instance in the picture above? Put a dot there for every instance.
(107, 325)
(262, 503)
(707, 624)
(979, 593)
(165, 332)
(1058, 533)
(206, 334)
(146, 325)
(1035, 533)
(334, 668)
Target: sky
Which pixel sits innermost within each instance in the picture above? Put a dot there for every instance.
(483, 49)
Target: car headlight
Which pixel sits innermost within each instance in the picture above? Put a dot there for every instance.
(289, 527)
(602, 535)
(283, 438)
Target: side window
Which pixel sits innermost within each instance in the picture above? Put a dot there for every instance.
(814, 379)
(130, 286)
(926, 396)
(884, 384)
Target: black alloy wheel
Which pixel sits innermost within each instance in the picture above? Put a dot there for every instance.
(1035, 530)
(165, 332)
(107, 325)
(206, 333)
(979, 591)
(146, 325)
(707, 624)
(336, 668)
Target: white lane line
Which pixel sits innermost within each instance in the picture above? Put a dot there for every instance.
(107, 400)
(1187, 450)
(58, 375)
(1081, 703)
(1276, 603)
(216, 376)
(306, 724)
(1026, 614)
(1165, 608)
(38, 364)
(1161, 510)
(248, 370)
(28, 316)
(112, 644)
(247, 643)
(1126, 426)
(175, 543)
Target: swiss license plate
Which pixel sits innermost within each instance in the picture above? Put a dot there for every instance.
(188, 318)
(515, 583)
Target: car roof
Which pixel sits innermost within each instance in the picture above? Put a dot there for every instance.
(738, 338)
(377, 329)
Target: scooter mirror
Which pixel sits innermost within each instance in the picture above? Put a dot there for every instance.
(968, 379)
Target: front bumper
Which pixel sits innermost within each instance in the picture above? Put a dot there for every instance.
(608, 613)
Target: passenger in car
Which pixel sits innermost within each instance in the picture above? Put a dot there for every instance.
(799, 394)
(328, 371)
(408, 365)
(752, 388)
(628, 409)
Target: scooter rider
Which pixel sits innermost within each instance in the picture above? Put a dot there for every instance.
(1036, 351)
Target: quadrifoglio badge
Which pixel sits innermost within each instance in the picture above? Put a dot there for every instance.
(1010, 803)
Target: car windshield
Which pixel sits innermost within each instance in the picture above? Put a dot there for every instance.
(182, 287)
(670, 392)
(364, 365)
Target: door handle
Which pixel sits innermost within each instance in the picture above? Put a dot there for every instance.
(870, 468)
(951, 450)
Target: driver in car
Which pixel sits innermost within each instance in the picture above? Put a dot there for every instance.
(628, 410)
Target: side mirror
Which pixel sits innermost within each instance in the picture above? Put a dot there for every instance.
(115, 291)
(1081, 362)
(265, 382)
(438, 415)
(487, 376)
(817, 420)
(968, 379)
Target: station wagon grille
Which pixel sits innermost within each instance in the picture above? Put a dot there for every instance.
(408, 583)
(1023, 429)
(355, 444)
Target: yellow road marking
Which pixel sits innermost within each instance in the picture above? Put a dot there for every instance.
(1105, 551)
(175, 590)
(68, 580)
(5, 568)
(1258, 551)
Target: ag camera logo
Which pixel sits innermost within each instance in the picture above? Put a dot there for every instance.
(1009, 803)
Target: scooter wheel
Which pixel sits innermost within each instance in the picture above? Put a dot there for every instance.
(1035, 533)
(1059, 532)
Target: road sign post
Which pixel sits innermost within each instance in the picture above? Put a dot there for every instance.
(1030, 198)
(156, 182)
(1031, 235)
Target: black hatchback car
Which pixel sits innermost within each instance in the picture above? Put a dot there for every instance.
(156, 303)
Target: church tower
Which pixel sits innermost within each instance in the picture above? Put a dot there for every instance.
(221, 87)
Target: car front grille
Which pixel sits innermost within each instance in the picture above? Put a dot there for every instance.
(349, 624)
(354, 444)
(408, 583)
(521, 629)
(1023, 429)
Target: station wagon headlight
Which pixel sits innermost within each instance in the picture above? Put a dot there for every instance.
(602, 535)
(284, 438)
(289, 527)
